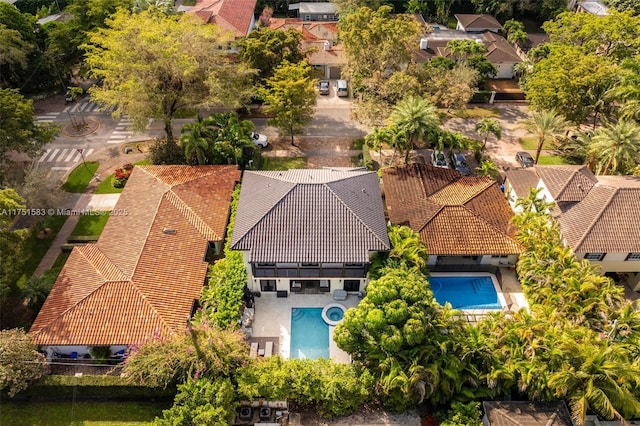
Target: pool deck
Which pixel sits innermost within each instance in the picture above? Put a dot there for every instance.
(272, 319)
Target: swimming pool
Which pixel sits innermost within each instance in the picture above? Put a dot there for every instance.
(309, 334)
(467, 292)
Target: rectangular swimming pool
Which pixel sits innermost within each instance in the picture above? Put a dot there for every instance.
(309, 334)
(467, 292)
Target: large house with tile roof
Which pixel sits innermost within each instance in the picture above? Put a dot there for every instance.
(472, 23)
(461, 219)
(499, 52)
(597, 215)
(235, 16)
(143, 277)
(309, 231)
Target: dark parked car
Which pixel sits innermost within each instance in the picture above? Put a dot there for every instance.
(524, 158)
(324, 87)
(460, 164)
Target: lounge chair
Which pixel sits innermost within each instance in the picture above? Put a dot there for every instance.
(254, 350)
(268, 349)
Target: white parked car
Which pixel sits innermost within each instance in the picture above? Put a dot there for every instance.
(439, 160)
(259, 140)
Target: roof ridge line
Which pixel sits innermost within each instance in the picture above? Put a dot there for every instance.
(192, 217)
(96, 247)
(352, 212)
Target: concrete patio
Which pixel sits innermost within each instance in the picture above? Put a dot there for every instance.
(272, 319)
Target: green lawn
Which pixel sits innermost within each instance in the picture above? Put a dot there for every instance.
(106, 187)
(551, 160)
(35, 248)
(531, 144)
(284, 163)
(80, 177)
(89, 413)
(91, 224)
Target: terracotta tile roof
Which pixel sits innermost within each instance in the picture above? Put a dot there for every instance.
(521, 180)
(230, 15)
(473, 22)
(314, 35)
(322, 215)
(138, 280)
(498, 48)
(525, 413)
(567, 183)
(605, 221)
(454, 215)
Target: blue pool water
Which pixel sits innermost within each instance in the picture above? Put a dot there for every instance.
(471, 292)
(309, 334)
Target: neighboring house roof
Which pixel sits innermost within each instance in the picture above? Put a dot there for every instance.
(319, 8)
(605, 220)
(499, 50)
(596, 214)
(305, 215)
(142, 276)
(521, 180)
(472, 22)
(525, 413)
(567, 183)
(454, 215)
(314, 36)
(236, 16)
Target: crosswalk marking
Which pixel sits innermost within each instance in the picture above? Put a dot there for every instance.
(122, 131)
(86, 106)
(66, 155)
(49, 117)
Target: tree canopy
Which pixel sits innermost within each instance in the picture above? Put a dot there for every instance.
(19, 131)
(266, 48)
(20, 361)
(177, 61)
(290, 95)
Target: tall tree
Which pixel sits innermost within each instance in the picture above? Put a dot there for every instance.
(266, 48)
(486, 127)
(174, 63)
(569, 80)
(290, 95)
(19, 131)
(392, 35)
(616, 147)
(546, 126)
(194, 142)
(417, 118)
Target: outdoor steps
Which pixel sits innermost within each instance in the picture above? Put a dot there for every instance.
(482, 286)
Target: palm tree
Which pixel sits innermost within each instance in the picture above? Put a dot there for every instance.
(546, 126)
(194, 142)
(488, 126)
(489, 169)
(399, 142)
(533, 202)
(616, 147)
(376, 139)
(596, 377)
(416, 117)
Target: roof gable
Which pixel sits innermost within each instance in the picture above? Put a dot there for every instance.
(473, 22)
(231, 15)
(567, 183)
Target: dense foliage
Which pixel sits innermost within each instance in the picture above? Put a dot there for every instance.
(20, 361)
(174, 63)
(329, 387)
(200, 351)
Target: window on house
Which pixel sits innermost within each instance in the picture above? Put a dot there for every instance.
(633, 256)
(267, 285)
(499, 256)
(351, 285)
(594, 256)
